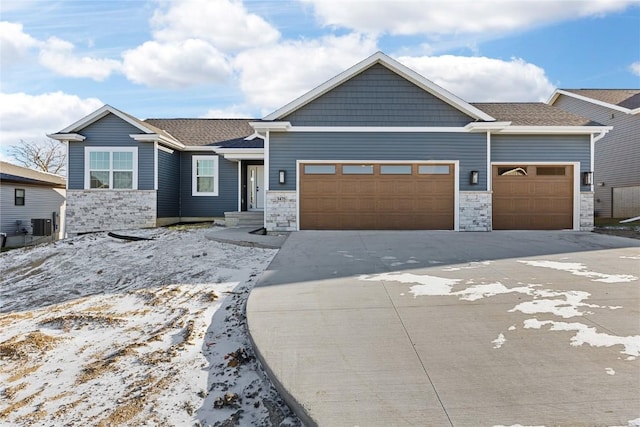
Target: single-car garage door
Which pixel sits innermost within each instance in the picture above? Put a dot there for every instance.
(532, 197)
(370, 196)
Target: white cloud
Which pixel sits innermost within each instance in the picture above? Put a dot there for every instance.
(58, 56)
(175, 64)
(275, 75)
(31, 117)
(481, 79)
(406, 17)
(226, 24)
(230, 112)
(15, 43)
(635, 68)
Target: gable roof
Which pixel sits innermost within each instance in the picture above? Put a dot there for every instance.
(532, 114)
(14, 173)
(625, 100)
(200, 132)
(396, 67)
(72, 130)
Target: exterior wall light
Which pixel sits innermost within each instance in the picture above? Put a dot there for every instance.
(587, 178)
(282, 176)
(474, 177)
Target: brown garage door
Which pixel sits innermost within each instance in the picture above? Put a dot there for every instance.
(530, 197)
(371, 196)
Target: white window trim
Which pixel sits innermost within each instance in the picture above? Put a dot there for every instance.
(194, 178)
(110, 150)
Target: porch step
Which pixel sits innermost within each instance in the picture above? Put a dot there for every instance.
(244, 219)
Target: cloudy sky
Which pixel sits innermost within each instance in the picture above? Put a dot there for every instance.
(232, 58)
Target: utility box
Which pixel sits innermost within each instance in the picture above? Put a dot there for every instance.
(41, 227)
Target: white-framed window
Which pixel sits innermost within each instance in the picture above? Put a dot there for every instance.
(204, 172)
(114, 168)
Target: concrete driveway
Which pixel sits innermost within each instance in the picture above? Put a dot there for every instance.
(453, 329)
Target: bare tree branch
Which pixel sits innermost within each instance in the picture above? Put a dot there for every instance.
(48, 156)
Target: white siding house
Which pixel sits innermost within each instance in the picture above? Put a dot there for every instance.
(27, 195)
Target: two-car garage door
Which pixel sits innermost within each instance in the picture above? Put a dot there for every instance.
(375, 196)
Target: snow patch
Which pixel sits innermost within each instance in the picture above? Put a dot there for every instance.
(634, 423)
(578, 269)
(427, 285)
(470, 266)
(610, 371)
(498, 342)
(589, 335)
(512, 328)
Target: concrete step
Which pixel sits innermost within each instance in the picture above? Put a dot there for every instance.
(244, 219)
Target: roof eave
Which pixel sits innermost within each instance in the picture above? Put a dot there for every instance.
(65, 137)
(567, 130)
(559, 92)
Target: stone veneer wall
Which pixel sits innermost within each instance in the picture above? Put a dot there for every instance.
(108, 210)
(475, 211)
(281, 213)
(586, 211)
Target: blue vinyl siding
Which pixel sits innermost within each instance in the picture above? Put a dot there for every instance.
(285, 148)
(168, 198)
(542, 148)
(110, 131)
(377, 97)
(209, 206)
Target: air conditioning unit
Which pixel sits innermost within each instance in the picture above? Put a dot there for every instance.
(23, 226)
(41, 227)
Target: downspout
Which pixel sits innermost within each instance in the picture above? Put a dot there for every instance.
(266, 177)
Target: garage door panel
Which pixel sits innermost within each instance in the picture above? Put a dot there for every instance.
(377, 201)
(540, 200)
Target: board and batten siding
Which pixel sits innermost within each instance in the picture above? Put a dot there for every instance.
(110, 131)
(543, 148)
(377, 97)
(208, 206)
(168, 196)
(287, 147)
(617, 155)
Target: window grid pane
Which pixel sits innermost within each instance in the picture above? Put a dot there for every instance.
(357, 169)
(205, 184)
(395, 169)
(204, 168)
(99, 160)
(433, 169)
(319, 169)
(99, 179)
(123, 180)
(123, 161)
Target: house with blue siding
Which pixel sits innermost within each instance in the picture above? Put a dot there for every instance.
(376, 147)
(617, 156)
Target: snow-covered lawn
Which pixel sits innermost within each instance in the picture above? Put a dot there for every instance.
(101, 331)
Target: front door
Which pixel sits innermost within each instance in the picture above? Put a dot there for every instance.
(256, 190)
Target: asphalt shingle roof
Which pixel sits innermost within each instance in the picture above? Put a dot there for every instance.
(532, 114)
(198, 132)
(626, 98)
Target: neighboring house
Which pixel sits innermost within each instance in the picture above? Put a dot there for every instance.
(31, 205)
(376, 147)
(617, 156)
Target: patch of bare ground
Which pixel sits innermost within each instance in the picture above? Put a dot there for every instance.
(106, 364)
(20, 347)
(19, 404)
(79, 321)
(8, 319)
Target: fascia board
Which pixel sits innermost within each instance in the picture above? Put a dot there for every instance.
(393, 65)
(199, 148)
(154, 137)
(554, 129)
(270, 126)
(592, 101)
(76, 137)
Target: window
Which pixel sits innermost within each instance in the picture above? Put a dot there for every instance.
(319, 169)
(395, 169)
(512, 171)
(19, 196)
(550, 171)
(433, 169)
(357, 169)
(111, 168)
(205, 176)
